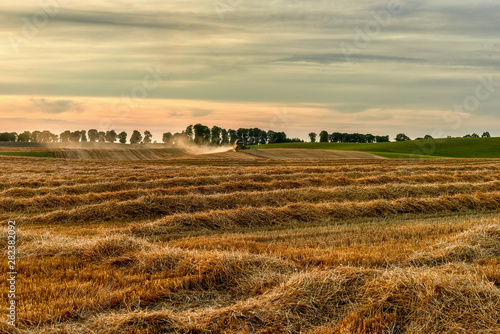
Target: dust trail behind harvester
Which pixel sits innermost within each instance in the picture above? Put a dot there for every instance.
(113, 151)
(197, 150)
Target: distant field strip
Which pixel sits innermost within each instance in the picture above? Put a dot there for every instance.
(211, 245)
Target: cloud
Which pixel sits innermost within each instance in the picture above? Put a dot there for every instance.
(275, 52)
(148, 20)
(175, 113)
(57, 106)
(201, 112)
(25, 120)
(351, 108)
(337, 57)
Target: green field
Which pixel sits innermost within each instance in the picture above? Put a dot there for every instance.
(29, 154)
(430, 148)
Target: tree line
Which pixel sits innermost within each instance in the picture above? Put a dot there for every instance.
(475, 135)
(198, 134)
(338, 137)
(67, 136)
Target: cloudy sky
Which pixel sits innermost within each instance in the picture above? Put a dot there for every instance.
(382, 67)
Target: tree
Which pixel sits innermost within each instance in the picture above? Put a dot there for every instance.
(428, 137)
(122, 137)
(323, 137)
(167, 138)
(474, 135)
(485, 135)
(75, 136)
(147, 137)
(280, 137)
(382, 139)
(93, 135)
(102, 136)
(179, 137)
(206, 135)
(84, 136)
(110, 136)
(190, 133)
(233, 136)
(46, 137)
(215, 135)
(402, 137)
(253, 136)
(262, 137)
(370, 138)
(312, 137)
(335, 137)
(8, 136)
(356, 138)
(201, 134)
(271, 136)
(65, 136)
(24, 137)
(136, 137)
(243, 135)
(35, 136)
(225, 137)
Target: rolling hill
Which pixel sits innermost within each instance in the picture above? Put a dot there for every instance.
(438, 148)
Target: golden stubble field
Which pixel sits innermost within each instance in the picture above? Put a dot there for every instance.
(253, 246)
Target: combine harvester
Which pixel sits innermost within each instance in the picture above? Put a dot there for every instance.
(239, 146)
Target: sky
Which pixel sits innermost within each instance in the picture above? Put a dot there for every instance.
(382, 67)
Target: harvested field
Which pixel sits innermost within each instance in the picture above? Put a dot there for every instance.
(123, 154)
(99, 151)
(203, 154)
(23, 149)
(285, 242)
(305, 154)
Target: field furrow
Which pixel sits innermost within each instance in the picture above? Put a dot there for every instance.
(307, 212)
(231, 183)
(143, 200)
